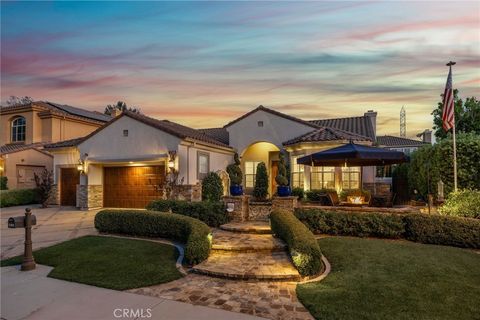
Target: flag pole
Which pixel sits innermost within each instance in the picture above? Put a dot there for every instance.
(450, 64)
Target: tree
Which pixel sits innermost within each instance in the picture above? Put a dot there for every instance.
(235, 172)
(44, 183)
(122, 106)
(260, 191)
(281, 177)
(212, 187)
(467, 116)
(18, 101)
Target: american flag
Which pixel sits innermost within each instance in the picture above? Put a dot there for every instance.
(448, 116)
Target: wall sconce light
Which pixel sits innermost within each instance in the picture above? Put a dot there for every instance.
(171, 164)
(81, 166)
(171, 159)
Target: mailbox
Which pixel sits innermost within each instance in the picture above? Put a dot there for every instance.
(19, 222)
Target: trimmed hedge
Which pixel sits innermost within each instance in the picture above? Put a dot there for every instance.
(444, 230)
(195, 234)
(432, 229)
(212, 213)
(352, 223)
(18, 197)
(302, 245)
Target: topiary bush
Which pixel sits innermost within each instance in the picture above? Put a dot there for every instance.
(194, 233)
(3, 183)
(212, 187)
(260, 191)
(443, 230)
(281, 178)
(302, 245)
(212, 213)
(352, 223)
(299, 193)
(235, 172)
(18, 197)
(463, 203)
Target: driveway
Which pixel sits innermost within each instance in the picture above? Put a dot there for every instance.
(55, 224)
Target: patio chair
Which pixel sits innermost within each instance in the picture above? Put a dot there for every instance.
(334, 200)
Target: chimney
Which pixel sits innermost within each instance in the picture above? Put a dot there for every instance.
(426, 136)
(373, 118)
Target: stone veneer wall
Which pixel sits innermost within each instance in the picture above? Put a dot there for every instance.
(89, 196)
(189, 192)
(55, 195)
(284, 203)
(259, 210)
(240, 207)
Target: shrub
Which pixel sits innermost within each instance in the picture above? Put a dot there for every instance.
(464, 203)
(44, 183)
(18, 197)
(302, 245)
(318, 195)
(212, 213)
(433, 229)
(235, 172)
(281, 178)
(352, 223)
(212, 187)
(3, 183)
(260, 191)
(298, 192)
(195, 234)
(436, 229)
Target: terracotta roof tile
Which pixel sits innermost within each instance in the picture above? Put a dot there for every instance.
(15, 147)
(361, 125)
(327, 134)
(63, 144)
(392, 141)
(219, 134)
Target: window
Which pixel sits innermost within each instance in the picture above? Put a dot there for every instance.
(125, 133)
(297, 173)
(250, 172)
(19, 126)
(260, 123)
(322, 178)
(384, 171)
(203, 165)
(351, 177)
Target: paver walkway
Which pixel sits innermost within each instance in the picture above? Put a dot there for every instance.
(248, 271)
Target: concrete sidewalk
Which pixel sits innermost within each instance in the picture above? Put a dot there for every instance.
(31, 295)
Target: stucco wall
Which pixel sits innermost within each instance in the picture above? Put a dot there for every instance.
(63, 159)
(29, 157)
(275, 130)
(32, 122)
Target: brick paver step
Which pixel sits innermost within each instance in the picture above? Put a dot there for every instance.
(245, 242)
(254, 227)
(262, 266)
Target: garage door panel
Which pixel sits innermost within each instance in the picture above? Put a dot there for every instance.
(132, 187)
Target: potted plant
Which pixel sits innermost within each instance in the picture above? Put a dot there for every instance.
(283, 189)
(236, 177)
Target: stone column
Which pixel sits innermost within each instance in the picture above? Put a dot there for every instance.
(89, 196)
(240, 207)
(284, 203)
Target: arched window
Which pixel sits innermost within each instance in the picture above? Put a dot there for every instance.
(19, 127)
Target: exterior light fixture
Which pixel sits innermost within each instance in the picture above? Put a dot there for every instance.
(171, 160)
(171, 164)
(81, 166)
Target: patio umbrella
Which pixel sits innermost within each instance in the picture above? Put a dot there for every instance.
(353, 155)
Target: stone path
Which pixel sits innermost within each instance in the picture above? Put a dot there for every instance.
(248, 271)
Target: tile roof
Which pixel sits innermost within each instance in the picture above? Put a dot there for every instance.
(63, 144)
(361, 125)
(64, 109)
(327, 134)
(220, 134)
(15, 147)
(172, 128)
(392, 141)
(279, 114)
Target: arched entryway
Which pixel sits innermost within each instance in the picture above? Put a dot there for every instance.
(261, 151)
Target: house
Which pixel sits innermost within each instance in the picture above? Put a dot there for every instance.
(126, 162)
(25, 129)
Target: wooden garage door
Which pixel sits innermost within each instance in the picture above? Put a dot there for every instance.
(69, 178)
(132, 187)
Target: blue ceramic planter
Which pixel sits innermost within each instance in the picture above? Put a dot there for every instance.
(236, 190)
(284, 191)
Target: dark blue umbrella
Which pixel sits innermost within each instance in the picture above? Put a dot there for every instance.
(353, 155)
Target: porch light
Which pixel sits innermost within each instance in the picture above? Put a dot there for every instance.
(81, 166)
(171, 164)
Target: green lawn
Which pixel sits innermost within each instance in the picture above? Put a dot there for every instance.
(381, 279)
(113, 263)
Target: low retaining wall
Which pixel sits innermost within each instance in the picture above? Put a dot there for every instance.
(241, 208)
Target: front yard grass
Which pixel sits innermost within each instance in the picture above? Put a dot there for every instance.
(108, 262)
(384, 279)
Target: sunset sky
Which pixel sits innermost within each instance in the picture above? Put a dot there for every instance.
(205, 63)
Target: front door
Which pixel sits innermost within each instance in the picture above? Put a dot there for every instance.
(69, 178)
(274, 172)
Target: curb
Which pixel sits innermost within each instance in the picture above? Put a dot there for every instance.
(321, 276)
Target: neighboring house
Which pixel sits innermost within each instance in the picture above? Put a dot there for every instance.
(125, 162)
(25, 129)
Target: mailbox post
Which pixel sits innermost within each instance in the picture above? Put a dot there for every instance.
(26, 222)
(28, 262)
